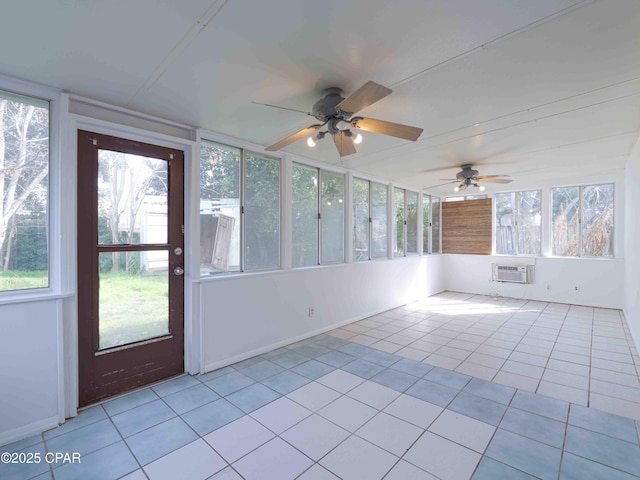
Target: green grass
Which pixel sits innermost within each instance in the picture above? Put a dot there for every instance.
(18, 280)
(132, 307)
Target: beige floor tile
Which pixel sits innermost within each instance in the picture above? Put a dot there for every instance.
(522, 369)
(412, 353)
(516, 381)
(615, 377)
(574, 368)
(528, 358)
(478, 371)
(386, 346)
(563, 392)
(453, 352)
(614, 405)
(568, 379)
(617, 391)
(442, 361)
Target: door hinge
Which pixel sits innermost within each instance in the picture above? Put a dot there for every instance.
(182, 227)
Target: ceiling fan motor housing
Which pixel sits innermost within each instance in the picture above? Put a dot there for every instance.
(325, 108)
(466, 173)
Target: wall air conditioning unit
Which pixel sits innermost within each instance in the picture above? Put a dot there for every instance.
(513, 273)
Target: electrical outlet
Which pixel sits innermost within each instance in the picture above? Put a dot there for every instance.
(311, 312)
(576, 288)
(548, 286)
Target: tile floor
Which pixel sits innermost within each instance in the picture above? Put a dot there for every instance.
(334, 408)
(580, 354)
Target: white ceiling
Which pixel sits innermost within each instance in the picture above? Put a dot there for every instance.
(512, 86)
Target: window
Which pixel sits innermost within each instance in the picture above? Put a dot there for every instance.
(399, 211)
(318, 216)
(24, 192)
(369, 202)
(412, 222)
(406, 224)
(361, 220)
(430, 224)
(379, 220)
(583, 221)
(239, 209)
(305, 216)
(518, 223)
(460, 198)
(435, 225)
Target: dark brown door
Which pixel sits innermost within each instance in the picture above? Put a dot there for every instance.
(130, 264)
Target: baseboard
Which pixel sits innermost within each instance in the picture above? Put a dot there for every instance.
(28, 430)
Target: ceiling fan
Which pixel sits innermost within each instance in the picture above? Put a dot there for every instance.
(468, 176)
(336, 112)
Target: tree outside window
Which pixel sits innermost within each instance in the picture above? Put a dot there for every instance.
(24, 192)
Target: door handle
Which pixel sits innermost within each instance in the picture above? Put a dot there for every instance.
(178, 271)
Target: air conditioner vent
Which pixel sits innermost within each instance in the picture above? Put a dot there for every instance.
(513, 273)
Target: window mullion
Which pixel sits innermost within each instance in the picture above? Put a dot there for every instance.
(580, 217)
(319, 238)
(518, 198)
(242, 210)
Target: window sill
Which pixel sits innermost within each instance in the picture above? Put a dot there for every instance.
(13, 298)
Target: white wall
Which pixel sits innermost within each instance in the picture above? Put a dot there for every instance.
(600, 281)
(245, 315)
(632, 244)
(30, 364)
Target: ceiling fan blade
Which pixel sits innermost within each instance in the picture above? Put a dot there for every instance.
(388, 128)
(450, 179)
(344, 144)
(281, 108)
(491, 176)
(495, 180)
(292, 138)
(441, 184)
(366, 95)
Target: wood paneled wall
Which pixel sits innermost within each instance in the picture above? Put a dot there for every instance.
(466, 227)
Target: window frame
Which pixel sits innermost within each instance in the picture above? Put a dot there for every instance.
(371, 184)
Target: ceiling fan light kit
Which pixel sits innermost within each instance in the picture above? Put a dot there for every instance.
(336, 113)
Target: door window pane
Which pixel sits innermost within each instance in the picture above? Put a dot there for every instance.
(565, 221)
(398, 207)
(133, 305)
(412, 222)
(132, 199)
(24, 197)
(219, 208)
(332, 217)
(379, 220)
(361, 225)
(597, 220)
(262, 212)
(305, 216)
